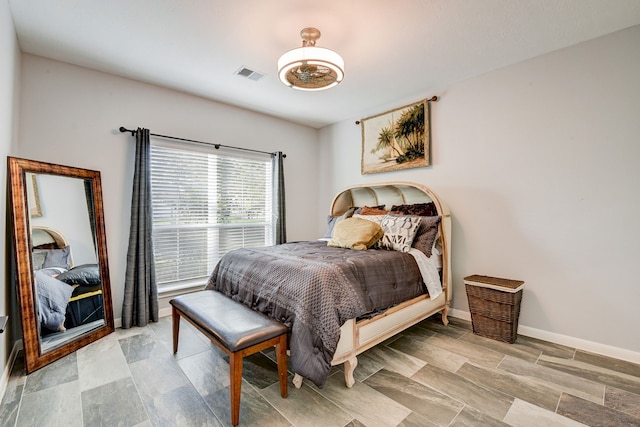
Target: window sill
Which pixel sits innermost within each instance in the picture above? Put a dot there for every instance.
(171, 291)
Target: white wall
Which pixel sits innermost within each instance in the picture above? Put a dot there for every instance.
(70, 115)
(539, 165)
(9, 78)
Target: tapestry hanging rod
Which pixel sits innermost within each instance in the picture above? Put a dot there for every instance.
(434, 98)
(216, 146)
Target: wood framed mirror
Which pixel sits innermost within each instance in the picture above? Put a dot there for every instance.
(60, 258)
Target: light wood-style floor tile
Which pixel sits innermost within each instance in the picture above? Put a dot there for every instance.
(555, 379)
(305, 407)
(429, 353)
(416, 420)
(439, 408)
(417, 332)
(379, 357)
(547, 348)
(523, 414)
(622, 400)
(609, 363)
(593, 372)
(364, 403)
(521, 351)
(476, 354)
(513, 385)
(491, 402)
(470, 417)
(592, 414)
(451, 330)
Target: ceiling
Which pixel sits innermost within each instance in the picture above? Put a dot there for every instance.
(393, 50)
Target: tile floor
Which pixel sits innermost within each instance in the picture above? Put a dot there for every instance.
(430, 375)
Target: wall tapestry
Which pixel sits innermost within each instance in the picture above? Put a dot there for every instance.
(397, 139)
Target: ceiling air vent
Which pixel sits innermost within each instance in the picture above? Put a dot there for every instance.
(248, 73)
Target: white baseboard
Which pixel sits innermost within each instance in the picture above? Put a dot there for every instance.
(459, 314)
(4, 381)
(590, 346)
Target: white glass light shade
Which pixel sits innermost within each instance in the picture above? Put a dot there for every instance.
(311, 68)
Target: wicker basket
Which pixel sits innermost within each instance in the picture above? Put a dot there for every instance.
(494, 304)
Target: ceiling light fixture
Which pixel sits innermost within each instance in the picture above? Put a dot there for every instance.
(310, 67)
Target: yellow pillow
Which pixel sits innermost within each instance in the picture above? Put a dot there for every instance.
(355, 233)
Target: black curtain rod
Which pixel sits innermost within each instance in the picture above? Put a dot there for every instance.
(216, 146)
(432, 99)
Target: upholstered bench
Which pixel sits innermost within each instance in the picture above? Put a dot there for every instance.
(238, 330)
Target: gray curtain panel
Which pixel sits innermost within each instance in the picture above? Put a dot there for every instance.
(88, 192)
(140, 290)
(278, 198)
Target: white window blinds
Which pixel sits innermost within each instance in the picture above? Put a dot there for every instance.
(206, 203)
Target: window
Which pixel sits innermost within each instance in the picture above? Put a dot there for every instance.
(205, 204)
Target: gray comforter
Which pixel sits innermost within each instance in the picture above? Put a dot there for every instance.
(52, 298)
(314, 289)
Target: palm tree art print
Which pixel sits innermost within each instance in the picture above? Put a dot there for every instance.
(397, 139)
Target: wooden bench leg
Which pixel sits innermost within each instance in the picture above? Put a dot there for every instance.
(175, 315)
(235, 385)
(281, 357)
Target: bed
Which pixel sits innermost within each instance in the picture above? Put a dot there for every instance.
(339, 301)
(68, 295)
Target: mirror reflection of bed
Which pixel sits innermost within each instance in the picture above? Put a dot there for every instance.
(69, 295)
(66, 272)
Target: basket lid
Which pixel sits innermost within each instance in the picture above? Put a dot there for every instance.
(505, 285)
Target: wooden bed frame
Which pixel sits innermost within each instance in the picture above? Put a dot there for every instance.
(359, 336)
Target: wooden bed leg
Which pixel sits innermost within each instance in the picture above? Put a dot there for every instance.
(297, 380)
(445, 314)
(349, 367)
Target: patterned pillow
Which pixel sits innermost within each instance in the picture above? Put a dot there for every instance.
(419, 209)
(399, 232)
(427, 233)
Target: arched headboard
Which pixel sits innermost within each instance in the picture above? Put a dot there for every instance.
(41, 235)
(400, 193)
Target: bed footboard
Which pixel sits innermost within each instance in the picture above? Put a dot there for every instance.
(357, 337)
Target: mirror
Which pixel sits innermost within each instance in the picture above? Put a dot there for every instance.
(60, 251)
